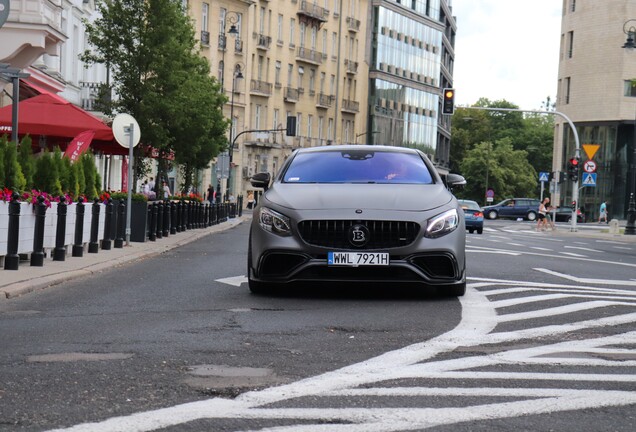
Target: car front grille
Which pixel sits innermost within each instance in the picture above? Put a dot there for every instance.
(335, 233)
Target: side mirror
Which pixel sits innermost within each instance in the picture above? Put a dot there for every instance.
(261, 180)
(455, 181)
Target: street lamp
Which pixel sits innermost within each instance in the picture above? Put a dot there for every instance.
(364, 133)
(233, 18)
(629, 28)
(14, 74)
(237, 74)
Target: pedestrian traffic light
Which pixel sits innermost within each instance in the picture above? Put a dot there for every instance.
(448, 103)
(573, 205)
(563, 177)
(573, 168)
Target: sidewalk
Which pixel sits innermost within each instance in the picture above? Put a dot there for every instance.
(26, 279)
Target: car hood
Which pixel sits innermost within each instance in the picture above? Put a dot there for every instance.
(359, 196)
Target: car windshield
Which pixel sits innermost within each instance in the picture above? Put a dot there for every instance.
(357, 166)
(469, 205)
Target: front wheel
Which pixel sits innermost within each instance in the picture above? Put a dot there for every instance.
(480, 230)
(492, 214)
(532, 216)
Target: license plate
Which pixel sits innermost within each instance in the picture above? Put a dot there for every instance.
(355, 259)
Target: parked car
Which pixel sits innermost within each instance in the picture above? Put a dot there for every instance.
(357, 214)
(474, 216)
(564, 214)
(526, 208)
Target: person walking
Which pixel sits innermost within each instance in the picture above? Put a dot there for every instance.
(542, 212)
(250, 200)
(603, 212)
(166, 191)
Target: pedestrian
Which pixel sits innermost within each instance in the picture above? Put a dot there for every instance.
(166, 191)
(151, 184)
(542, 212)
(211, 194)
(250, 200)
(603, 212)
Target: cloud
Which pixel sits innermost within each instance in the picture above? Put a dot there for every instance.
(507, 50)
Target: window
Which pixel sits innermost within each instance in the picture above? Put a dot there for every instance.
(257, 117)
(276, 118)
(261, 21)
(567, 90)
(301, 72)
(205, 9)
(570, 43)
(322, 82)
(221, 69)
(573, 5)
(279, 34)
(334, 45)
(292, 29)
(324, 42)
(303, 28)
(330, 129)
(321, 125)
(299, 120)
(277, 76)
(630, 88)
(312, 80)
(290, 75)
(310, 123)
(314, 37)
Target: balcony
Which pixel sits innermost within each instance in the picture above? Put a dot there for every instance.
(309, 56)
(352, 67)
(205, 38)
(222, 42)
(260, 88)
(262, 41)
(238, 44)
(313, 12)
(350, 106)
(324, 101)
(291, 94)
(353, 24)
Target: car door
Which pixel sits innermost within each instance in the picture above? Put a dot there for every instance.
(507, 208)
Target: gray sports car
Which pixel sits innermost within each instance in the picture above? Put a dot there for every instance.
(357, 214)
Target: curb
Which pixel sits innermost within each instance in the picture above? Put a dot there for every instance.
(62, 275)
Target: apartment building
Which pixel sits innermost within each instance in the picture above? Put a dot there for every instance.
(348, 71)
(597, 91)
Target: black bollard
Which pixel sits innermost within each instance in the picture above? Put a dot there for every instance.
(190, 216)
(37, 256)
(107, 224)
(59, 252)
(93, 245)
(206, 215)
(78, 247)
(159, 228)
(173, 216)
(12, 259)
(184, 216)
(121, 224)
(166, 218)
(153, 222)
(178, 215)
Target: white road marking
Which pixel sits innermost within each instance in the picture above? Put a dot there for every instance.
(574, 254)
(516, 244)
(587, 249)
(494, 252)
(589, 281)
(609, 241)
(234, 280)
(622, 248)
(541, 249)
(418, 361)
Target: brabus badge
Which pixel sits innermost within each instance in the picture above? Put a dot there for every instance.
(359, 235)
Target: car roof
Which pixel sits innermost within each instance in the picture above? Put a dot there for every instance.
(319, 149)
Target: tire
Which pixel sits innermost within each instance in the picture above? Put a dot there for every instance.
(492, 214)
(471, 230)
(531, 216)
(480, 230)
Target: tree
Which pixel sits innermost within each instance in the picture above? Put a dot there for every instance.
(13, 177)
(160, 79)
(26, 161)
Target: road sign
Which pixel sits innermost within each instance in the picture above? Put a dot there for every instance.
(490, 193)
(544, 176)
(590, 149)
(589, 179)
(589, 166)
(4, 11)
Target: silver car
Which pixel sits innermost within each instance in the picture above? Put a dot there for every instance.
(363, 214)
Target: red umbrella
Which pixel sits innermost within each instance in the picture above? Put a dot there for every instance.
(53, 116)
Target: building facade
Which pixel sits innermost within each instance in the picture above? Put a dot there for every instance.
(348, 71)
(597, 91)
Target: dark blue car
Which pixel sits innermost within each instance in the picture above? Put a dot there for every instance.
(473, 215)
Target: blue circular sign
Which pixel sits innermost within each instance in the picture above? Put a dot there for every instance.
(4, 11)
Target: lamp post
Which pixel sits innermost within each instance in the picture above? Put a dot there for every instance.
(629, 28)
(14, 74)
(364, 133)
(233, 19)
(236, 74)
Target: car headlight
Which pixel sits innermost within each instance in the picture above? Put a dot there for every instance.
(442, 224)
(274, 222)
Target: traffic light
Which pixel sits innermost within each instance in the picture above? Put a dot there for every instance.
(448, 103)
(563, 176)
(573, 168)
(573, 205)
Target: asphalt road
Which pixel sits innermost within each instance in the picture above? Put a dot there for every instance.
(543, 340)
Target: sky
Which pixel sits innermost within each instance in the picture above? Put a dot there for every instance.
(507, 49)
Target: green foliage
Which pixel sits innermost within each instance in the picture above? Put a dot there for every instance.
(3, 145)
(160, 79)
(90, 171)
(78, 167)
(529, 134)
(13, 177)
(47, 177)
(116, 196)
(26, 161)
